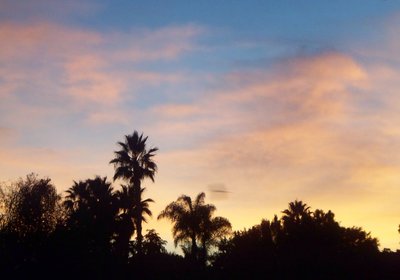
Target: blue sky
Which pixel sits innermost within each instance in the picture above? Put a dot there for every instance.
(271, 100)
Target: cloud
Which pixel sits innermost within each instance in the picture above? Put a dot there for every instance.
(47, 66)
(7, 134)
(87, 82)
(62, 165)
(176, 110)
(165, 43)
(61, 85)
(307, 89)
(27, 11)
(321, 128)
(108, 117)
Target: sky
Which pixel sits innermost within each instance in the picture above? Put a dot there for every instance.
(268, 101)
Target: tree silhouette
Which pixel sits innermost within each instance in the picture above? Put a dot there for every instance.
(134, 163)
(92, 207)
(297, 212)
(249, 254)
(185, 217)
(302, 243)
(153, 244)
(31, 213)
(31, 206)
(134, 212)
(212, 230)
(125, 221)
(192, 222)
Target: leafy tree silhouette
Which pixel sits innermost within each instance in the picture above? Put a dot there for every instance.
(249, 254)
(134, 163)
(31, 212)
(153, 244)
(302, 243)
(31, 206)
(155, 262)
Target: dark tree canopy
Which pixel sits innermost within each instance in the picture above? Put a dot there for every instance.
(31, 206)
(302, 242)
(31, 214)
(92, 208)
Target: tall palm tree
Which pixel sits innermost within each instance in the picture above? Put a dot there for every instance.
(193, 221)
(133, 163)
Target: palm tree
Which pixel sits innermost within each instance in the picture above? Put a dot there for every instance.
(297, 212)
(125, 223)
(92, 208)
(213, 229)
(134, 163)
(193, 221)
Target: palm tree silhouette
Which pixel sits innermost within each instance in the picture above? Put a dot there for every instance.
(125, 221)
(213, 229)
(296, 213)
(92, 207)
(134, 163)
(193, 221)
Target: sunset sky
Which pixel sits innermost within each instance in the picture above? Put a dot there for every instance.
(268, 101)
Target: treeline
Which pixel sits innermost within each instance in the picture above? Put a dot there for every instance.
(95, 231)
(306, 244)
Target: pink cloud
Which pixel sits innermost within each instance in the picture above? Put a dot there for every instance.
(86, 81)
(76, 69)
(176, 110)
(322, 128)
(164, 43)
(27, 42)
(62, 165)
(7, 134)
(108, 117)
(309, 89)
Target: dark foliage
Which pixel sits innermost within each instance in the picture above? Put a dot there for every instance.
(31, 214)
(92, 209)
(134, 163)
(193, 223)
(302, 243)
(88, 234)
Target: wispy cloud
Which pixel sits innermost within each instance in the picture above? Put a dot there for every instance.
(27, 11)
(57, 66)
(315, 127)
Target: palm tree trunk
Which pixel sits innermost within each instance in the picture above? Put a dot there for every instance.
(139, 237)
(122, 247)
(194, 247)
(203, 256)
(138, 218)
